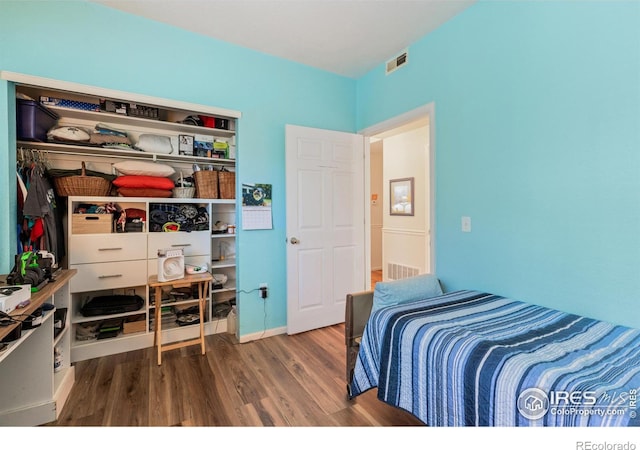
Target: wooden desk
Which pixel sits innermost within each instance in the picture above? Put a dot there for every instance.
(203, 280)
(37, 298)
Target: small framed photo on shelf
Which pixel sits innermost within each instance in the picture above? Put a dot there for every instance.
(185, 145)
(401, 197)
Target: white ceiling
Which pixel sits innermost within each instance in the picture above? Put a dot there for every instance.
(347, 37)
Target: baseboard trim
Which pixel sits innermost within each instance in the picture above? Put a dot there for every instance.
(262, 334)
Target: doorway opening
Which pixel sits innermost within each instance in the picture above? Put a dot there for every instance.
(401, 245)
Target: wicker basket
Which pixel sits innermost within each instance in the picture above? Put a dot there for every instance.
(227, 184)
(206, 183)
(82, 185)
(184, 192)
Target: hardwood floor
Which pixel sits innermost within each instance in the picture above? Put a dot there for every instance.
(278, 381)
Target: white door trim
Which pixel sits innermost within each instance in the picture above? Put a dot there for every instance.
(367, 212)
(387, 125)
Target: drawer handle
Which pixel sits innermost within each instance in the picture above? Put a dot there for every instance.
(110, 276)
(181, 245)
(110, 248)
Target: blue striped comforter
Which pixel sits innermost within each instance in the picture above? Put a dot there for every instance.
(475, 359)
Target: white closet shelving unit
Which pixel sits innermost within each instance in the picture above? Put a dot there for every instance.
(137, 260)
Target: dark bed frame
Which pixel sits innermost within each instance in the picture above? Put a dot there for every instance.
(358, 310)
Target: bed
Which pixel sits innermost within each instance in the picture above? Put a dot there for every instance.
(469, 358)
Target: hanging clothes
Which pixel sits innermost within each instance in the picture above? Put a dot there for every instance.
(42, 219)
(22, 190)
(22, 195)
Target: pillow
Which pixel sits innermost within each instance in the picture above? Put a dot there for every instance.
(406, 290)
(154, 143)
(152, 169)
(144, 192)
(71, 134)
(143, 181)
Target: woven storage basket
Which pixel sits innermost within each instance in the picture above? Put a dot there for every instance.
(184, 192)
(206, 183)
(82, 185)
(227, 184)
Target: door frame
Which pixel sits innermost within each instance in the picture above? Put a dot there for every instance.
(388, 125)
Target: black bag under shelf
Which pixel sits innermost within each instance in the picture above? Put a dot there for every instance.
(112, 304)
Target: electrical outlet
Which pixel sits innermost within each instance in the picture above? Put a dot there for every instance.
(263, 291)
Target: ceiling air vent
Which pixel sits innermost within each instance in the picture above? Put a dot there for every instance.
(396, 62)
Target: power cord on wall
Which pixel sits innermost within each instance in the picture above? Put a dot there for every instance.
(248, 292)
(263, 295)
(262, 289)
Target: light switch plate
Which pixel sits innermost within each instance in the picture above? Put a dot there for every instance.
(466, 224)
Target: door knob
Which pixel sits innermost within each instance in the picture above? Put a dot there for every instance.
(294, 241)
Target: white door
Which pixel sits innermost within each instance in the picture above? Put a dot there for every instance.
(325, 225)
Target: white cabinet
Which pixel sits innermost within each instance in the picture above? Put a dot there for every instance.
(121, 263)
(87, 248)
(223, 256)
(194, 243)
(33, 388)
(108, 275)
(111, 263)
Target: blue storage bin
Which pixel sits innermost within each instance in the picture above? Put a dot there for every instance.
(33, 121)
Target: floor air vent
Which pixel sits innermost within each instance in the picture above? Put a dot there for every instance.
(398, 271)
(395, 63)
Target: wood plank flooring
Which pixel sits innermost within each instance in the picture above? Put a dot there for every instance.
(280, 381)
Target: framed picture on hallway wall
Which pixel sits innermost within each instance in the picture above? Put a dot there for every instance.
(401, 197)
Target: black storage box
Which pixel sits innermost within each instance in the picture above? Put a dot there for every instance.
(223, 124)
(110, 328)
(33, 320)
(113, 107)
(133, 226)
(111, 304)
(59, 321)
(33, 121)
(14, 334)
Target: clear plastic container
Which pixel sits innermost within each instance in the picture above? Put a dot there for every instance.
(231, 321)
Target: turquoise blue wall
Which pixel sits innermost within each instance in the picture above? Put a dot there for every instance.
(8, 186)
(537, 134)
(91, 44)
(537, 128)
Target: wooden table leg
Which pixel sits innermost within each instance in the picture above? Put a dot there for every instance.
(204, 284)
(201, 292)
(158, 330)
(155, 318)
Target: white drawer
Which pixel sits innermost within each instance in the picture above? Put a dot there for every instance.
(193, 243)
(108, 275)
(109, 247)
